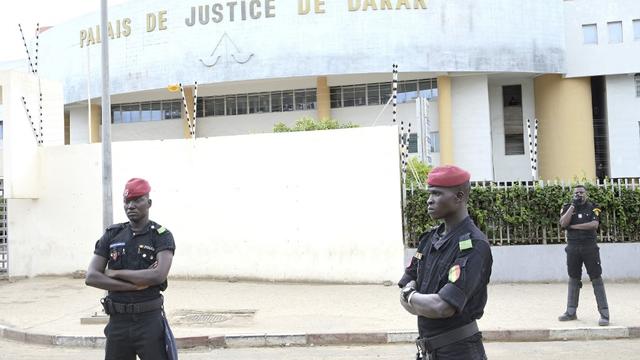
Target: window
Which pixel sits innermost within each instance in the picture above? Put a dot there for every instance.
(335, 94)
(243, 104)
(218, 106)
(231, 105)
(590, 33)
(513, 120)
(636, 29)
(380, 93)
(373, 94)
(311, 99)
(276, 101)
(413, 143)
(287, 100)
(434, 139)
(615, 32)
(200, 108)
(637, 79)
(254, 104)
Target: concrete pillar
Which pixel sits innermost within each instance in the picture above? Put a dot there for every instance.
(445, 120)
(94, 126)
(322, 96)
(565, 134)
(188, 95)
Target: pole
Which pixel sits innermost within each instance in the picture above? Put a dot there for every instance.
(107, 198)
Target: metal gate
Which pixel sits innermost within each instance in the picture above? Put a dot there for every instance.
(4, 246)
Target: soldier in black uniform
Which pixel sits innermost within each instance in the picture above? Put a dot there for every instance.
(581, 219)
(446, 283)
(139, 255)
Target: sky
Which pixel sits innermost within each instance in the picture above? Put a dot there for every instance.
(29, 12)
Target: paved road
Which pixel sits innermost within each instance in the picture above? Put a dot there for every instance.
(583, 350)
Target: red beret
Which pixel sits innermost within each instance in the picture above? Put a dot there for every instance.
(135, 188)
(447, 176)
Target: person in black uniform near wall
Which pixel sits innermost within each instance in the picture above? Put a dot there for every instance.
(446, 283)
(581, 219)
(139, 255)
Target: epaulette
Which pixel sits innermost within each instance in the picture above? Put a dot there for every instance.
(159, 228)
(465, 242)
(116, 226)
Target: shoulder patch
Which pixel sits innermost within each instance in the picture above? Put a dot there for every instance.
(418, 256)
(454, 273)
(161, 229)
(465, 244)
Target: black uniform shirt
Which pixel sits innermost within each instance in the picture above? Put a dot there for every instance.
(457, 267)
(134, 251)
(582, 214)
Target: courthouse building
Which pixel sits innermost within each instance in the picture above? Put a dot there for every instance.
(485, 67)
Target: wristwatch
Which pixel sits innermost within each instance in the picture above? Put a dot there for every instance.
(406, 292)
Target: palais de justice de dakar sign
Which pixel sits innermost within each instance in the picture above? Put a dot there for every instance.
(240, 10)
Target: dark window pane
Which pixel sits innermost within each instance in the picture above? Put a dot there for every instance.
(335, 93)
(385, 92)
(373, 94)
(413, 143)
(209, 107)
(166, 110)
(276, 101)
(264, 103)
(287, 101)
(424, 86)
(231, 105)
(348, 96)
(513, 120)
(242, 103)
(310, 99)
(359, 95)
(146, 112)
(218, 106)
(200, 107)
(130, 113)
(176, 109)
(254, 104)
(300, 99)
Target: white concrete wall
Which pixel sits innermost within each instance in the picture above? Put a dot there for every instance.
(21, 152)
(79, 125)
(464, 36)
(542, 263)
(316, 206)
(602, 58)
(623, 118)
(510, 167)
(471, 122)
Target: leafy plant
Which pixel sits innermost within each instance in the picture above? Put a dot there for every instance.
(310, 124)
(417, 172)
(530, 215)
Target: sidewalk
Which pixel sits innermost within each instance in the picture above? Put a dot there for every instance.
(211, 313)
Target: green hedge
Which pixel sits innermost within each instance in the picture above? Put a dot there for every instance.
(529, 215)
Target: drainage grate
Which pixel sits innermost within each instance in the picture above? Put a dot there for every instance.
(209, 318)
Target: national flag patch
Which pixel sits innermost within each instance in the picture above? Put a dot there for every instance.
(454, 273)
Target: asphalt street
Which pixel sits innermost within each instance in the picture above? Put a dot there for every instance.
(557, 350)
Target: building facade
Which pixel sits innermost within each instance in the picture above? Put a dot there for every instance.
(485, 67)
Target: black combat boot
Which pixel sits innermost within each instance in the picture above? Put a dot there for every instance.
(572, 300)
(601, 299)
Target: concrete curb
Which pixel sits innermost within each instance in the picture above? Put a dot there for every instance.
(324, 339)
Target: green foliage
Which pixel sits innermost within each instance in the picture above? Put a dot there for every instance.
(530, 215)
(421, 171)
(310, 124)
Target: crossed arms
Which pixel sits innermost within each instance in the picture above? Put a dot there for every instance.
(128, 280)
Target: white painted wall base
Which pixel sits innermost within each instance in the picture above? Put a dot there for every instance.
(541, 263)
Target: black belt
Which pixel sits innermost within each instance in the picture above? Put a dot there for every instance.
(430, 344)
(111, 307)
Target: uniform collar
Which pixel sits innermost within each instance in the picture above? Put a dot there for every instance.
(444, 239)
